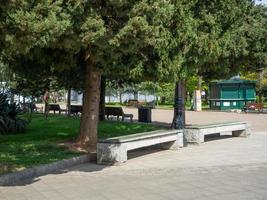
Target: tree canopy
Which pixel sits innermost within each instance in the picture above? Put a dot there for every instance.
(140, 39)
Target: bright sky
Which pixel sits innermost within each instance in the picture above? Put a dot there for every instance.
(263, 2)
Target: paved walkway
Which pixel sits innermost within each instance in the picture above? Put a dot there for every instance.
(231, 168)
(257, 120)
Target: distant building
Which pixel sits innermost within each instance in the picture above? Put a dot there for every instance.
(231, 94)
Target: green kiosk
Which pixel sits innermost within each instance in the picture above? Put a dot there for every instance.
(231, 94)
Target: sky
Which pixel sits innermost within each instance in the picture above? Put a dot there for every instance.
(263, 2)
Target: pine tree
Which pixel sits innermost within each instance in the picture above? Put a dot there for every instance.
(139, 39)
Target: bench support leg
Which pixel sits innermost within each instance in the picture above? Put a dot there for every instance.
(194, 136)
(242, 133)
(174, 145)
(110, 154)
(170, 145)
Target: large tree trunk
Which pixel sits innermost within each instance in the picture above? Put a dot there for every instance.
(87, 137)
(102, 99)
(179, 105)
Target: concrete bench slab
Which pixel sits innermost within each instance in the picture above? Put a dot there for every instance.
(195, 134)
(114, 150)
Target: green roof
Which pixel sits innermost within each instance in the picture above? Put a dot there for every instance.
(234, 81)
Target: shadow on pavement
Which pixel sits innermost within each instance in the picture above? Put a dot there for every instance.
(217, 136)
(90, 166)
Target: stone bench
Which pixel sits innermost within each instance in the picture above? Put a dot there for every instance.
(196, 134)
(114, 150)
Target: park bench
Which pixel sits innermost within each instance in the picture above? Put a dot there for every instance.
(76, 109)
(118, 112)
(132, 102)
(196, 134)
(136, 103)
(25, 107)
(253, 106)
(114, 150)
(53, 107)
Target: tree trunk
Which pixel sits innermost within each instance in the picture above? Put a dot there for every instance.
(120, 96)
(87, 137)
(260, 78)
(102, 99)
(199, 85)
(135, 93)
(12, 98)
(69, 101)
(179, 105)
(23, 103)
(162, 99)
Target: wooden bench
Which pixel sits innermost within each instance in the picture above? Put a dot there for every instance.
(76, 109)
(114, 150)
(253, 106)
(132, 102)
(196, 134)
(118, 112)
(53, 107)
(136, 103)
(26, 107)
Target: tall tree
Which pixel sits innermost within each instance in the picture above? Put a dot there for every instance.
(127, 38)
(141, 39)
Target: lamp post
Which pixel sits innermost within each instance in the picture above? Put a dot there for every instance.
(179, 105)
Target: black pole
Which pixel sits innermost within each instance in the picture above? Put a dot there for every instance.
(179, 106)
(102, 99)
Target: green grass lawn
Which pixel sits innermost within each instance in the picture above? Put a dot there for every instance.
(187, 107)
(40, 142)
(166, 106)
(114, 104)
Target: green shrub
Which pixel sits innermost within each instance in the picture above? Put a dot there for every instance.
(9, 120)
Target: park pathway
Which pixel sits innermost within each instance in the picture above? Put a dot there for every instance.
(257, 120)
(231, 168)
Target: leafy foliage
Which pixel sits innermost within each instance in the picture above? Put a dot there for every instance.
(142, 39)
(9, 120)
(162, 40)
